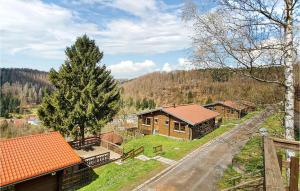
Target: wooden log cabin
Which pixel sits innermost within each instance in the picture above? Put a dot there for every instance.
(182, 121)
(35, 162)
(231, 109)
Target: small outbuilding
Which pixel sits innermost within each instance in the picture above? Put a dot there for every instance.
(35, 162)
(182, 121)
(231, 109)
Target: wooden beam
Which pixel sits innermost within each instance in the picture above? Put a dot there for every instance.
(294, 174)
(273, 180)
(288, 144)
(243, 185)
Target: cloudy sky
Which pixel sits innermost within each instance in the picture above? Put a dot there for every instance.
(136, 36)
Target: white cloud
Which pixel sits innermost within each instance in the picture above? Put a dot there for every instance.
(44, 30)
(167, 68)
(129, 69)
(39, 29)
(185, 64)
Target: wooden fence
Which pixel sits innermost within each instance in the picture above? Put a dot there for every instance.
(111, 146)
(138, 151)
(97, 160)
(157, 149)
(88, 142)
(96, 141)
(273, 165)
(76, 179)
(132, 153)
(127, 155)
(111, 137)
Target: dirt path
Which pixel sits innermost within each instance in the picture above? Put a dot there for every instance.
(201, 169)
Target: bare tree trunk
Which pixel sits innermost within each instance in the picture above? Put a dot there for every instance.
(288, 72)
(82, 134)
(289, 81)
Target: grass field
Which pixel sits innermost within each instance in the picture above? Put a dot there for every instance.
(122, 177)
(113, 177)
(250, 159)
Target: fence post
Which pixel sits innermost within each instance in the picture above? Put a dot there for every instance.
(294, 174)
(279, 157)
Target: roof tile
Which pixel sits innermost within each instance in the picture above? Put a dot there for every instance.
(193, 114)
(34, 155)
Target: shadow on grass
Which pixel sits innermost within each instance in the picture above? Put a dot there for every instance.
(79, 178)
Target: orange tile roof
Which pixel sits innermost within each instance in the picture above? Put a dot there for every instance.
(192, 114)
(29, 156)
(233, 105)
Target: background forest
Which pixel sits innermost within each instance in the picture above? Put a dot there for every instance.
(23, 88)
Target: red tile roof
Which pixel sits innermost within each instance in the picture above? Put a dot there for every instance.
(192, 114)
(29, 156)
(234, 105)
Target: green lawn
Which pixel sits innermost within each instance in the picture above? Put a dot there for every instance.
(126, 176)
(250, 159)
(176, 149)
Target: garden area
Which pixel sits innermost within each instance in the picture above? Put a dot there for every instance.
(133, 172)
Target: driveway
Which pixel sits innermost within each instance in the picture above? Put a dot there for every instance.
(201, 169)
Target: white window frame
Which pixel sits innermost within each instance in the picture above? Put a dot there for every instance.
(179, 130)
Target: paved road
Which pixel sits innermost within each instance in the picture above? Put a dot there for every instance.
(201, 169)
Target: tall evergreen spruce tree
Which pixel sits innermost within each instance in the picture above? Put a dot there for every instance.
(86, 96)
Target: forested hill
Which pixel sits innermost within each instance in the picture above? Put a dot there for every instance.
(25, 84)
(23, 76)
(201, 86)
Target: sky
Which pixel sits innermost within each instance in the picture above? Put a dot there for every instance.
(136, 36)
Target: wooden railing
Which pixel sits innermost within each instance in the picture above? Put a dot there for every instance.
(111, 146)
(157, 149)
(127, 155)
(132, 153)
(273, 165)
(138, 151)
(97, 160)
(96, 141)
(88, 142)
(76, 179)
(146, 131)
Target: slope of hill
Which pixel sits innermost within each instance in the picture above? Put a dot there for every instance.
(25, 84)
(201, 86)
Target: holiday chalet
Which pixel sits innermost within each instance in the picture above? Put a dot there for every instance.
(231, 109)
(35, 162)
(183, 121)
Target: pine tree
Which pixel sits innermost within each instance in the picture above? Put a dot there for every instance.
(85, 97)
(138, 104)
(190, 97)
(209, 100)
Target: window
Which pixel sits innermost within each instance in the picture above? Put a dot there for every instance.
(176, 126)
(182, 126)
(167, 123)
(179, 126)
(147, 121)
(232, 111)
(155, 120)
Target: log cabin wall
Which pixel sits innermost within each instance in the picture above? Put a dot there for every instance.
(145, 128)
(184, 134)
(225, 111)
(203, 128)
